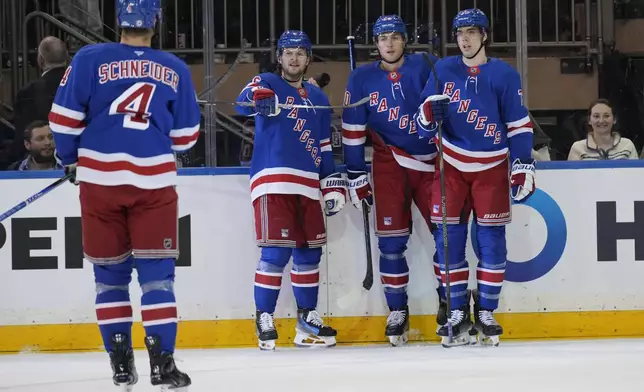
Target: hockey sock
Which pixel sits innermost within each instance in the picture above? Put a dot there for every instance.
(394, 272)
(158, 304)
(458, 267)
(268, 277)
(113, 307)
(305, 276)
(490, 273)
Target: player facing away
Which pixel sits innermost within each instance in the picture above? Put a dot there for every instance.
(479, 102)
(121, 112)
(402, 164)
(292, 162)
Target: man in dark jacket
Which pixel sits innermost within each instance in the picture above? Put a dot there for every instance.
(33, 102)
(39, 143)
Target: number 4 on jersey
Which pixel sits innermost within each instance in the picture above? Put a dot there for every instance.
(134, 104)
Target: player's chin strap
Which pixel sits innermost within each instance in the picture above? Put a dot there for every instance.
(395, 61)
(298, 80)
(477, 52)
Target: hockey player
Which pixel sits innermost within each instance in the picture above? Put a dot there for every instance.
(292, 162)
(403, 165)
(478, 100)
(120, 113)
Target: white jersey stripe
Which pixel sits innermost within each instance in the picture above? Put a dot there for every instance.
(353, 127)
(67, 112)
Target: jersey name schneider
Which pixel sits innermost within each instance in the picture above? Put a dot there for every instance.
(121, 114)
(138, 69)
(474, 117)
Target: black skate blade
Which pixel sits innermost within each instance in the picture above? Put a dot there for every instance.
(167, 388)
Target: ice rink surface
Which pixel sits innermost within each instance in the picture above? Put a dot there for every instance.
(600, 365)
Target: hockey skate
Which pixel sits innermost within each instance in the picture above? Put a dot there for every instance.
(122, 361)
(310, 330)
(398, 327)
(486, 330)
(460, 324)
(266, 332)
(441, 315)
(163, 371)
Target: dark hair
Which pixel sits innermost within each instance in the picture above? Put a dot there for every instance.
(601, 101)
(136, 32)
(484, 31)
(33, 125)
(488, 33)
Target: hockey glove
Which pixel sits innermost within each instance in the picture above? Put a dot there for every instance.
(522, 179)
(71, 169)
(359, 188)
(334, 191)
(265, 102)
(432, 111)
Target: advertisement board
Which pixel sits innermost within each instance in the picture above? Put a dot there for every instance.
(575, 265)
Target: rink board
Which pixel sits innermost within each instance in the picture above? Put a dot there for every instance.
(575, 264)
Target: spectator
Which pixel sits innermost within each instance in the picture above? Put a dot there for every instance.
(603, 142)
(39, 142)
(33, 102)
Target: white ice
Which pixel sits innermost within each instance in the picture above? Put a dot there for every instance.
(584, 366)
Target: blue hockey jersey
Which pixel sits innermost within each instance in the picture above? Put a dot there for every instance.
(486, 117)
(394, 98)
(292, 150)
(121, 111)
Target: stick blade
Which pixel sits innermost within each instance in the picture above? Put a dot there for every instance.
(367, 283)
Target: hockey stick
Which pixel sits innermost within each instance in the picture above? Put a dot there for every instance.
(441, 171)
(368, 279)
(35, 197)
(290, 105)
(353, 297)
